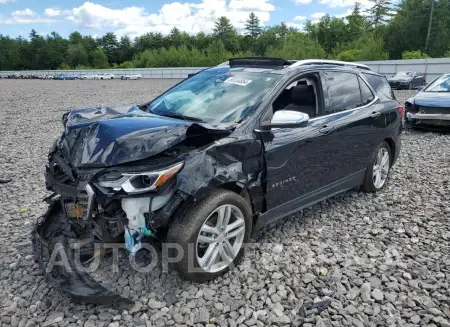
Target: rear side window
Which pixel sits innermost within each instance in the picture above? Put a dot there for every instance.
(342, 92)
(381, 86)
(366, 94)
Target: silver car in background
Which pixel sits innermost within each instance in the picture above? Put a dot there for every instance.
(131, 76)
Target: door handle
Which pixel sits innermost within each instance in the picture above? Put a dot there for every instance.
(325, 129)
(375, 114)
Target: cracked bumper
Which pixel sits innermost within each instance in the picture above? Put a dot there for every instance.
(53, 230)
(410, 115)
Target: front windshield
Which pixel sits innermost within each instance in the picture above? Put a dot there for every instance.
(217, 95)
(404, 74)
(441, 84)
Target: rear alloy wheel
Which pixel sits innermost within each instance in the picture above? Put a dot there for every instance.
(410, 86)
(378, 171)
(212, 235)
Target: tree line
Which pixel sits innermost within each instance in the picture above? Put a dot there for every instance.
(382, 32)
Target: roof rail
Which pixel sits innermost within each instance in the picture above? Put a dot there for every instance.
(297, 63)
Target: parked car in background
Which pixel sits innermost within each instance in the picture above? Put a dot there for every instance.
(407, 80)
(92, 76)
(132, 76)
(66, 77)
(212, 160)
(107, 76)
(430, 108)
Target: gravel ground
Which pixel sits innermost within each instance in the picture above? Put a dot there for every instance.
(355, 260)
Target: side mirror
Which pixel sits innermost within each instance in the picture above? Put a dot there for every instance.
(286, 119)
(420, 88)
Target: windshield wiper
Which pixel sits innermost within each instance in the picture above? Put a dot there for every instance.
(186, 118)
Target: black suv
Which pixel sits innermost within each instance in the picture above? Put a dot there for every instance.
(209, 162)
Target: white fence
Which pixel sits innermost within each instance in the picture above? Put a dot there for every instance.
(181, 72)
(432, 68)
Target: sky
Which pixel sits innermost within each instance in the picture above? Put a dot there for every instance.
(136, 17)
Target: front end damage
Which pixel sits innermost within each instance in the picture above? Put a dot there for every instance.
(120, 175)
(427, 112)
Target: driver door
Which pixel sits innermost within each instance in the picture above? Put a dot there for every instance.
(298, 163)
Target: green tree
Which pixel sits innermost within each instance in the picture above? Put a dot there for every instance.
(110, 46)
(99, 58)
(380, 12)
(415, 54)
(77, 55)
(226, 33)
(252, 26)
(331, 33)
(298, 46)
(125, 49)
(357, 23)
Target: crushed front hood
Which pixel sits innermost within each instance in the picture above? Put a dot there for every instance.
(431, 99)
(105, 136)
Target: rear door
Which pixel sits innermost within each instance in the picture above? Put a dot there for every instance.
(358, 118)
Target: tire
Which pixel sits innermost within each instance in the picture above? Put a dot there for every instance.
(369, 185)
(186, 228)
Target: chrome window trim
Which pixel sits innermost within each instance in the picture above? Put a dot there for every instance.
(348, 110)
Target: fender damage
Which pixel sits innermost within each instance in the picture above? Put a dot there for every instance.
(99, 141)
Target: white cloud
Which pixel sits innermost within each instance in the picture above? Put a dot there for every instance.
(259, 5)
(302, 2)
(344, 3)
(24, 13)
(3, 2)
(25, 16)
(189, 17)
(318, 15)
(295, 25)
(53, 12)
(299, 18)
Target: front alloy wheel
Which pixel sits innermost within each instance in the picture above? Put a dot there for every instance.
(211, 235)
(220, 239)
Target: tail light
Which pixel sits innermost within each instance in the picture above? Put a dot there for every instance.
(401, 110)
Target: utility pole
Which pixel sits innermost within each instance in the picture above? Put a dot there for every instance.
(429, 26)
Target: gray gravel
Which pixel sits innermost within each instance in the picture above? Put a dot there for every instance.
(355, 260)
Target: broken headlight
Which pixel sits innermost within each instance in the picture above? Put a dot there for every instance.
(134, 183)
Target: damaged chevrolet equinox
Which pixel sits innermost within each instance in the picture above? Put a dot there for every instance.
(209, 162)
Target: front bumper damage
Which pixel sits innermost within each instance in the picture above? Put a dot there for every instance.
(420, 116)
(53, 233)
(430, 119)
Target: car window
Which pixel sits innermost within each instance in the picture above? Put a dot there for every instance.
(342, 91)
(441, 84)
(380, 85)
(404, 75)
(216, 96)
(366, 94)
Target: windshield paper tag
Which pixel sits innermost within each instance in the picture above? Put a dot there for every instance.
(238, 81)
